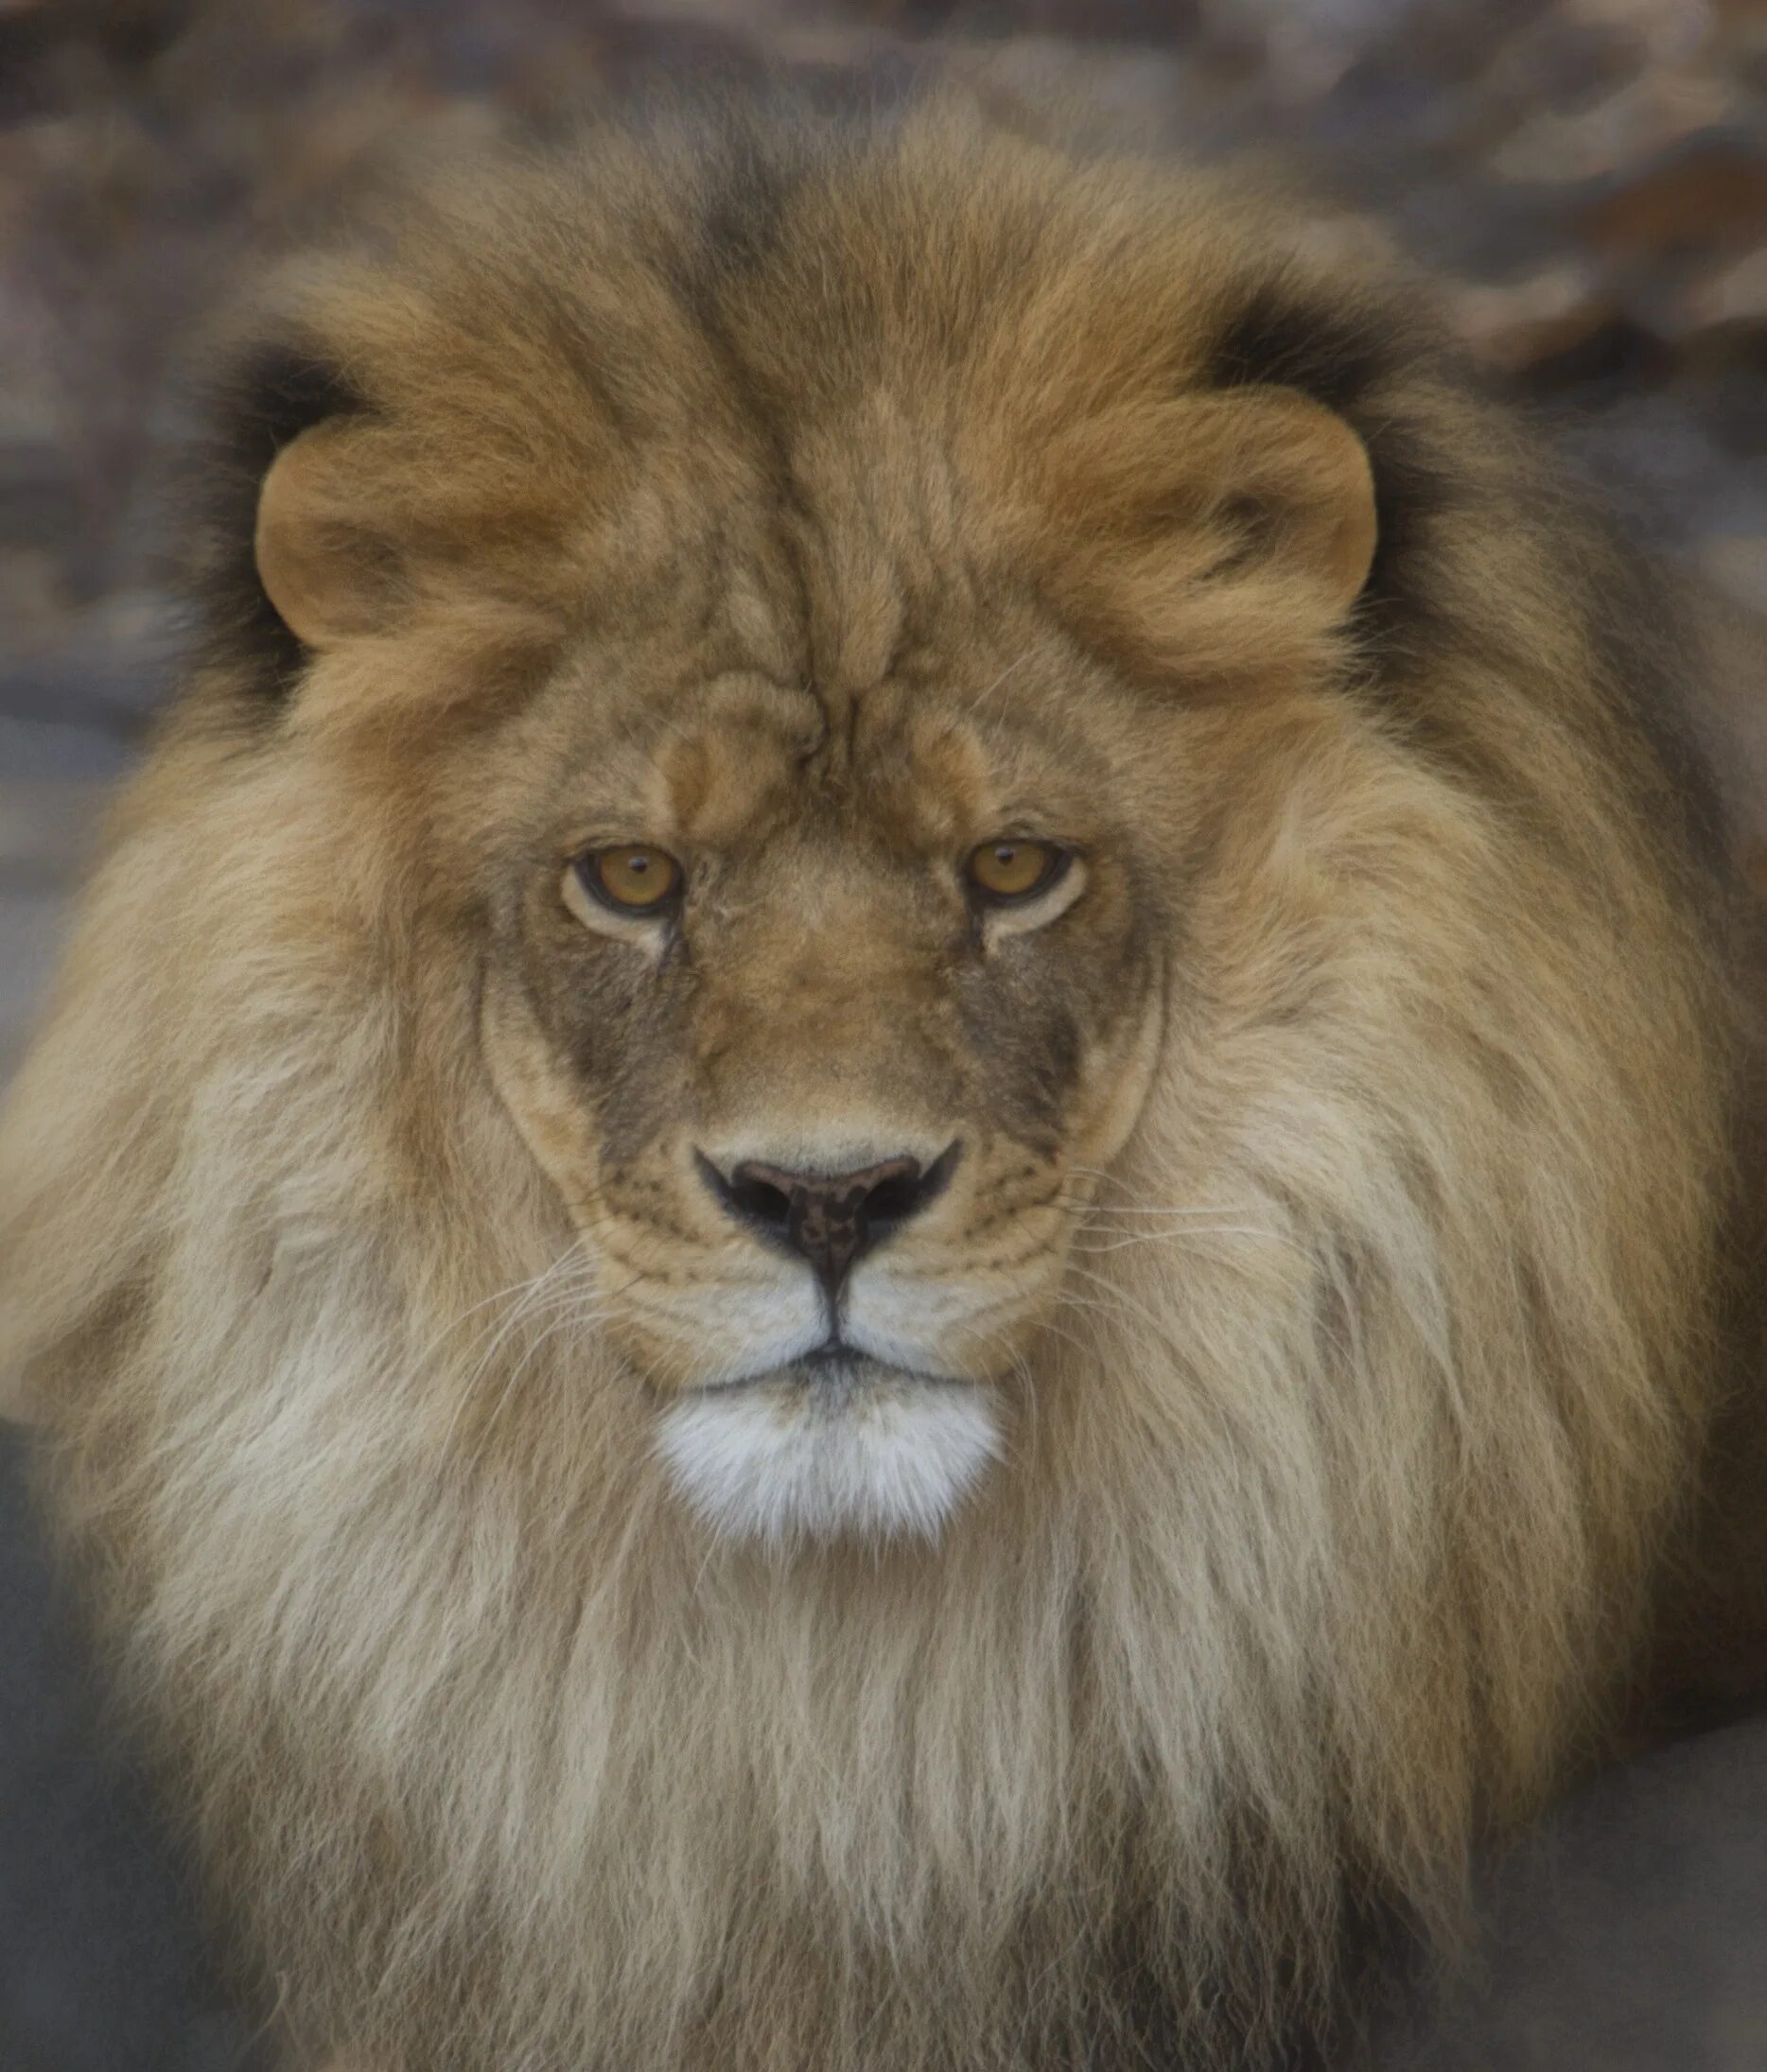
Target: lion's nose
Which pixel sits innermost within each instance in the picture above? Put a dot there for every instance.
(831, 1219)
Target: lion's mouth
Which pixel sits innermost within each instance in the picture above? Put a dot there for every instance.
(834, 1373)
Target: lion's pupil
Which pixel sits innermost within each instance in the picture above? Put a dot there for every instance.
(1010, 869)
(638, 878)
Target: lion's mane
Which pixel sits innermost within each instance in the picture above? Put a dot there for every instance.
(1320, 1555)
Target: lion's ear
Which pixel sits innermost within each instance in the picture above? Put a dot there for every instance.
(1210, 528)
(327, 559)
(1304, 474)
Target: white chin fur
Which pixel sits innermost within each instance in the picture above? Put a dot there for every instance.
(869, 1459)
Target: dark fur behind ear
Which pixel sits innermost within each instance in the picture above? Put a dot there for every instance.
(1354, 357)
(1361, 356)
(270, 391)
(1333, 351)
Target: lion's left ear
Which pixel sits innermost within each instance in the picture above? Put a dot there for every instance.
(326, 556)
(1303, 475)
(1211, 529)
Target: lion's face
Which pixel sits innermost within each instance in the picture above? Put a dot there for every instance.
(822, 1013)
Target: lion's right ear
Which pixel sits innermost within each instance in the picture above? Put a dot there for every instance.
(327, 560)
(1214, 535)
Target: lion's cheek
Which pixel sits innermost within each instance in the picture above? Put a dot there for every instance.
(1115, 1079)
(557, 1128)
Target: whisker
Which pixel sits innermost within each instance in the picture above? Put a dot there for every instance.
(988, 690)
(1069, 1300)
(472, 1309)
(575, 1266)
(1084, 1205)
(1191, 1233)
(577, 1313)
(574, 1316)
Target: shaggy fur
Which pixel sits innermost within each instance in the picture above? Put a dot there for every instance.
(1331, 1263)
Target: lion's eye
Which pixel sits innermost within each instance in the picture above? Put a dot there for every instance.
(1013, 869)
(629, 876)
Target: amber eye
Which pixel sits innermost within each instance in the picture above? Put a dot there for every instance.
(1012, 868)
(630, 876)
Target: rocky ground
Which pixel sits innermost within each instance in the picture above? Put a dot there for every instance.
(1590, 176)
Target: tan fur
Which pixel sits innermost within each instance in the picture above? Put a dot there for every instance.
(1344, 1172)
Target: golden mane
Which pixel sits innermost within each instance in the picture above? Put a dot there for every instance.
(1319, 1553)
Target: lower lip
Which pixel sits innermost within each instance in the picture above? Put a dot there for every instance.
(833, 1370)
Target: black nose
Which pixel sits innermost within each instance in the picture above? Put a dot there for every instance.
(831, 1219)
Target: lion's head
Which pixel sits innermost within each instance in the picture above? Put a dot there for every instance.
(870, 1213)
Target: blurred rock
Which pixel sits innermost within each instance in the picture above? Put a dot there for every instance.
(1628, 1937)
(1734, 294)
(1518, 326)
(31, 924)
(45, 831)
(1711, 197)
(1739, 569)
(1618, 134)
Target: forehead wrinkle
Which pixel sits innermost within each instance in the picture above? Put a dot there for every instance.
(948, 760)
(877, 520)
(734, 760)
(924, 777)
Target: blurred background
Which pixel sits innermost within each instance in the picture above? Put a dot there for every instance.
(1589, 176)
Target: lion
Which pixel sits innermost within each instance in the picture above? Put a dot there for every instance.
(878, 1213)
